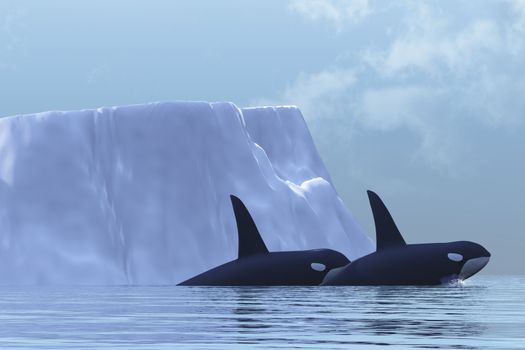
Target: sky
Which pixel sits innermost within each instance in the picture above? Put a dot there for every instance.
(420, 101)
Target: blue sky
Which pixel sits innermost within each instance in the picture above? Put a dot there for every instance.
(420, 101)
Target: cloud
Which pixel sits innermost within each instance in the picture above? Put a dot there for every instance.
(337, 12)
(430, 50)
(97, 73)
(517, 8)
(419, 109)
(318, 94)
(434, 73)
(10, 41)
(478, 60)
(395, 107)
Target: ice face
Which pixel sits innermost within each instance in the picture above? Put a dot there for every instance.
(140, 194)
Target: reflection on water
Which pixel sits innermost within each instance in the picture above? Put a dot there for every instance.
(353, 315)
(486, 313)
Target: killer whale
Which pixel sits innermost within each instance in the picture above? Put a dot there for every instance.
(397, 263)
(256, 266)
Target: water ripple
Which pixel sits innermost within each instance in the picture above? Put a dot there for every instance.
(487, 313)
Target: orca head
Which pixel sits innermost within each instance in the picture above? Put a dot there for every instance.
(467, 258)
(324, 260)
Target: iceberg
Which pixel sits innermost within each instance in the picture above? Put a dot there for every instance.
(137, 195)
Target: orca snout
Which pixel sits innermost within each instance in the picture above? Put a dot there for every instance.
(477, 261)
(473, 266)
(478, 251)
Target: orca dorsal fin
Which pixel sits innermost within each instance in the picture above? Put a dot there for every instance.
(250, 241)
(387, 233)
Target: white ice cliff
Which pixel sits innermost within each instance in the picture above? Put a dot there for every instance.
(140, 194)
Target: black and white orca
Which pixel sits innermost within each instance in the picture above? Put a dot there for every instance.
(256, 266)
(396, 263)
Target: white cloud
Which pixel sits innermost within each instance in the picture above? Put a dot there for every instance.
(477, 61)
(97, 73)
(10, 41)
(496, 99)
(462, 77)
(515, 27)
(518, 9)
(317, 94)
(417, 108)
(336, 11)
(399, 106)
(429, 40)
(433, 73)
(427, 50)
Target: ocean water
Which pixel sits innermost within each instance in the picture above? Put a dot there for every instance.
(485, 312)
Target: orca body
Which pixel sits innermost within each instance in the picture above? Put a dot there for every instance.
(256, 266)
(396, 263)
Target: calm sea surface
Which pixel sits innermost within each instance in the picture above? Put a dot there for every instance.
(486, 312)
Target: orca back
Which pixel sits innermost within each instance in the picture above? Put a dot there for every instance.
(256, 266)
(250, 241)
(387, 233)
(294, 268)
